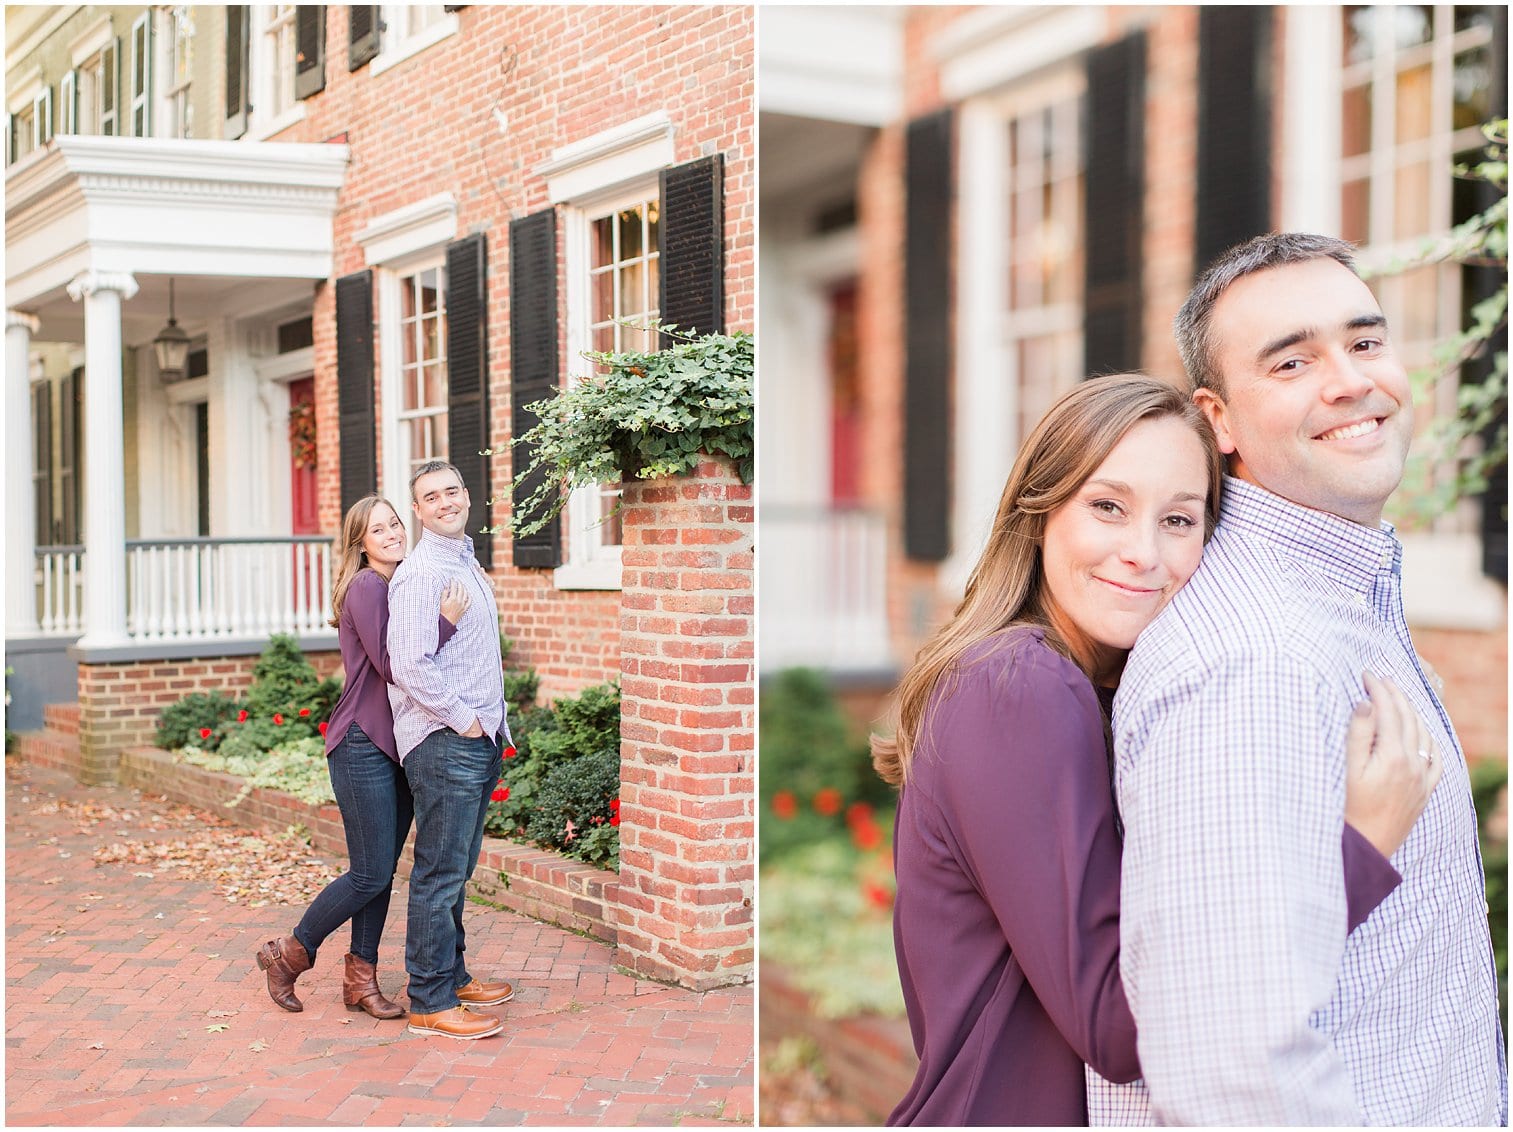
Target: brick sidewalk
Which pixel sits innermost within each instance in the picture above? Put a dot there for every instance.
(112, 981)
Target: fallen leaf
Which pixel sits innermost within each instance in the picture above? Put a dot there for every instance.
(149, 876)
(217, 1028)
(258, 1046)
(97, 1045)
(221, 1013)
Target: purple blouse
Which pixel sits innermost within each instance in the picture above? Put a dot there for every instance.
(1006, 926)
(363, 632)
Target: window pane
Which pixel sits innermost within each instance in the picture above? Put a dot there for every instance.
(407, 299)
(653, 226)
(409, 384)
(632, 280)
(1411, 214)
(602, 251)
(1416, 319)
(1355, 125)
(435, 384)
(610, 531)
(1412, 24)
(1360, 23)
(1355, 211)
(603, 299)
(1472, 16)
(1472, 81)
(428, 287)
(604, 338)
(1414, 104)
(631, 244)
(430, 338)
(653, 286)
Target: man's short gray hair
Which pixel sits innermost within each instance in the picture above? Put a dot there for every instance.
(1193, 325)
(433, 466)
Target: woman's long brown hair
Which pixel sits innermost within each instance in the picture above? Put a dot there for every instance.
(1006, 586)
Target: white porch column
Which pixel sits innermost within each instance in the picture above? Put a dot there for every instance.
(105, 460)
(20, 507)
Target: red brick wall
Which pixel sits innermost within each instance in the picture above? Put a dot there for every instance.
(688, 818)
(559, 74)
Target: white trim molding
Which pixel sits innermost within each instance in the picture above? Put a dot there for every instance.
(609, 159)
(395, 54)
(994, 46)
(90, 282)
(405, 231)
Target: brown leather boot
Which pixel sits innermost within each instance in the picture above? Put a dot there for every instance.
(359, 990)
(285, 960)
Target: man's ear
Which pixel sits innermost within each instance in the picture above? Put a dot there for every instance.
(1217, 412)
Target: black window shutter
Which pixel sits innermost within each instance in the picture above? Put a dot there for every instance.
(362, 34)
(928, 204)
(693, 246)
(354, 388)
(468, 380)
(238, 43)
(1113, 206)
(309, 50)
(1234, 128)
(42, 461)
(1482, 283)
(533, 365)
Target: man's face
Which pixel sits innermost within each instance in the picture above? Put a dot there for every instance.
(441, 503)
(1316, 406)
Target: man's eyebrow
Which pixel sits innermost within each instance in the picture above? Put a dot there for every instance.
(1370, 321)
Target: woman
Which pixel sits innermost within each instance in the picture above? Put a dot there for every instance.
(1006, 840)
(370, 785)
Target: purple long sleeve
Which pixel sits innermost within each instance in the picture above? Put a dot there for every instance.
(363, 636)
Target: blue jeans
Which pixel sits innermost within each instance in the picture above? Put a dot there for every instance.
(451, 778)
(376, 810)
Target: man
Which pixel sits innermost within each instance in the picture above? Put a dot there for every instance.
(449, 717)
(1252, 1004)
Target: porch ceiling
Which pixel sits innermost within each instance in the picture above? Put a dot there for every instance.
(231, 213)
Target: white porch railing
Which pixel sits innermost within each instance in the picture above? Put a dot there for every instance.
(188, 589)
(823, 582)
(60, 590)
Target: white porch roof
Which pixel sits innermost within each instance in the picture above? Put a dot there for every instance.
(229, 212)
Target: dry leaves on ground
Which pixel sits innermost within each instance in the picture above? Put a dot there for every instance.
(244, 867)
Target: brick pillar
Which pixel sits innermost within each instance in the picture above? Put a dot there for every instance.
(687, 684)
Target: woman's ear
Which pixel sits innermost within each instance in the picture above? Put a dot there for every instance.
(1217, 412)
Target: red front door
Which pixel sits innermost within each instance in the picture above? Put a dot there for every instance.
(302, 504)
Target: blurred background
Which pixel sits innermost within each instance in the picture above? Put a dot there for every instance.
(964, 211)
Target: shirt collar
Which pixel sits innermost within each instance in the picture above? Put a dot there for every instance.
(457, 547)
(1354, 554)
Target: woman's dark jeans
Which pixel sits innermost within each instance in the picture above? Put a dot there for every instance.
(376, 811)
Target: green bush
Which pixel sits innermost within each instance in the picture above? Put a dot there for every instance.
(520, 687)
(522, 775)
(285, 683)
(813, 763)
(1489, 784)
(181, 723)
(573, 812)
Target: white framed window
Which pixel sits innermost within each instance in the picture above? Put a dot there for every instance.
(422, 365)
(272, 64)
(409, 29)
(139, 77)
(68, 103)
(98, 92)
(177, 56)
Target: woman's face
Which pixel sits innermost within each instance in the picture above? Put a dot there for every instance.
(1116, 552)
(384, 540)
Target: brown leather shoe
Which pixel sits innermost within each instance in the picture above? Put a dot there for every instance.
(359, 990)
(285, 960)
(456, 1023)
(479, 993)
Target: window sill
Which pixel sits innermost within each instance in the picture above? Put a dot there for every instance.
(414, 45)
(601, 574)
(259, 131)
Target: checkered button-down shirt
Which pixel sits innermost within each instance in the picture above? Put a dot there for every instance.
(448, 688)
(1252, 1003)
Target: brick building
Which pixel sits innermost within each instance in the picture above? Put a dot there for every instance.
(968, 209)
(385, 231)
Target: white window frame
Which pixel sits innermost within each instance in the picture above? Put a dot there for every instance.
(262, 121)
(139, 74)
(88, 72)
(23, 106)
(174, 117)
(68, 95)
(1443, 586)
(396, 43)
(989, 397)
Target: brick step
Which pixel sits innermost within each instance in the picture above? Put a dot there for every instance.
(54, 749)
(62, 718)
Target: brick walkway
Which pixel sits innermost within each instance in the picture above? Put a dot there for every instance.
(113, 982)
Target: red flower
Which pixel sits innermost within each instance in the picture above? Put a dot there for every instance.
(241, 716)
(204, 732)
(858, 813)
(867, 836)
(877, 895)
(500, 794)
(784, 805)
(323, 726)
(614, 811)
(509, 752)
(278, 717)
(304, 711)
(828, 802)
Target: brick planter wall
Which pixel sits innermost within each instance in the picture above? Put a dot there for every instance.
(119, 703)
(687, 850)
(534, 882)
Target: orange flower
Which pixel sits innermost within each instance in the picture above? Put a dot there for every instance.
(828, 802)
(784, 805)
